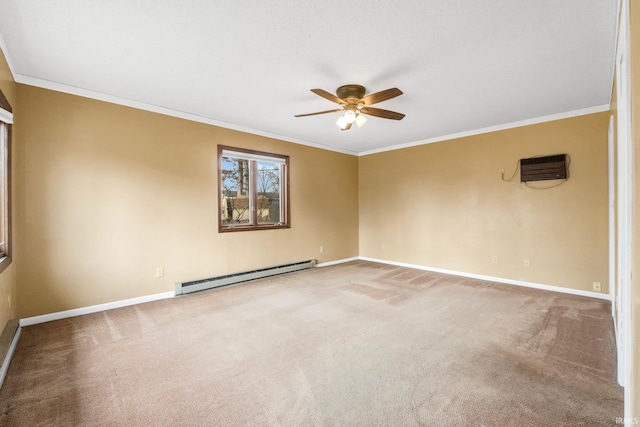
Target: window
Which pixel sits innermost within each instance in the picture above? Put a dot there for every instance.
(253, 190)
(6, 119)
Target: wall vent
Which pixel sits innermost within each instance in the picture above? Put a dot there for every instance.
(230, 279)
(543, 168)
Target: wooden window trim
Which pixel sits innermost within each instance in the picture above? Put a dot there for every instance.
(6, 257)
(284, 197)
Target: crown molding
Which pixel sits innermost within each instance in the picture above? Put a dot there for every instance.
(505, 126)
(72, 90)
(85, 93)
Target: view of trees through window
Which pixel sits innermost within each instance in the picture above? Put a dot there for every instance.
(251, 190)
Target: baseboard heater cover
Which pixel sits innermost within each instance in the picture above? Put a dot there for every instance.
(230, 279)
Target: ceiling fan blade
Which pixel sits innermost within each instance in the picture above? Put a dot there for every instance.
(326, 95)
(379, 112)
(319, 112)
(381, 96)
(348, 126)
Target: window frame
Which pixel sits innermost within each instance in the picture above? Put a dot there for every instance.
(6, 120)
(252, 193)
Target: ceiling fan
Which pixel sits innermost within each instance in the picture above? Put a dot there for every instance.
(354, 104)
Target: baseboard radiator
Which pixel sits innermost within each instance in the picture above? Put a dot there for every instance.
(230, 279)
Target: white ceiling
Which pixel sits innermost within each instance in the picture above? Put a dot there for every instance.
(462, 65)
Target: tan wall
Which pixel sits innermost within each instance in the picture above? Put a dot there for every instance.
(8, 276)
(635, 132)
(444, 205)
(108, 193)
(7, 84)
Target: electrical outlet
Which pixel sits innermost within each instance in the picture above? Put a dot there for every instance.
(494, 259)
(597, 286)
(384, 246)
(321, 249)
(160, 272)
(527, 263)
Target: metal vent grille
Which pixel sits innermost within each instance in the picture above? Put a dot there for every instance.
(543, 168)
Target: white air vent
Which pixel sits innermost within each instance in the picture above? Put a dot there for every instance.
(543, 168)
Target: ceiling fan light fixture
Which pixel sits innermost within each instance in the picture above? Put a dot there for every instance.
(350, 116)
(361, 120)
(342, 123)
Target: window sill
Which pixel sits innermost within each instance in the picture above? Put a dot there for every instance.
(227, 229)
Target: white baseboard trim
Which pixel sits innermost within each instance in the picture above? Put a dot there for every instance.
(496, 279)
(339, 261)
(7, 359)
(28, 321)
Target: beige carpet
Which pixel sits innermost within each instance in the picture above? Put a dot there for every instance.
(357, 344)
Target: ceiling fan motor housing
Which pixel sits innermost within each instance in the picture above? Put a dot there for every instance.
(350, 93)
